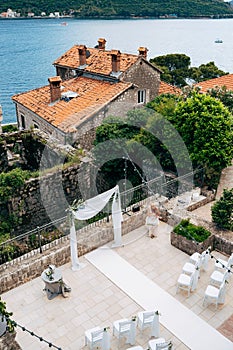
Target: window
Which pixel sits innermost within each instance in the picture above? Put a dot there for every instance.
(22, 121)
(141, 96)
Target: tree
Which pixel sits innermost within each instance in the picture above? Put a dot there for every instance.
(222, 210)
(174, 66)
(205, 72)
(177, 71)
(206, 127)
(111, 148)
(164, 104)
(224, 95)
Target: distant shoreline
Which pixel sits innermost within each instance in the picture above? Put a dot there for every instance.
(227, 16)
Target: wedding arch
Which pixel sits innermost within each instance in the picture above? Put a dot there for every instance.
(89, 209)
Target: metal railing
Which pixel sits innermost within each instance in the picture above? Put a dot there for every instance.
(42, 237)
(31, 240)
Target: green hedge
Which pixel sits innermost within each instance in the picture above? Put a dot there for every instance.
(191, 232)
(9, 128)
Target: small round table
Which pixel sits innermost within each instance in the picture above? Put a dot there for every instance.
(54, 283)
(53, 278)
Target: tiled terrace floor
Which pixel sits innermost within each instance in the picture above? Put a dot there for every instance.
(96, 301)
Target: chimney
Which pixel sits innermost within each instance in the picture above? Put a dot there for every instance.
(55, 90)
(82, 54)
(116, 57)
(142, 51)
(101, 44)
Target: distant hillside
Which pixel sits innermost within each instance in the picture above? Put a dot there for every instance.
(121, 8)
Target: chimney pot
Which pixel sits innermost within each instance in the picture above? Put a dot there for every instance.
(55, 88)
(116, 58)
(82, 54)
(101, 44)
(143, 51)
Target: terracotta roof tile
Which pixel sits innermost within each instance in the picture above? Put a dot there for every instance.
(99, 61)
(225, 80)
(165, 88)
(92, 95)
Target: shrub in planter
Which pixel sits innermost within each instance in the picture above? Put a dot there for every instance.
(191, 231)
(190, 238)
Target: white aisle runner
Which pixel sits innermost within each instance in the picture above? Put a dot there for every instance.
(179, 320)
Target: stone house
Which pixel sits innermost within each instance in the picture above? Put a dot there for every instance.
(91, 84)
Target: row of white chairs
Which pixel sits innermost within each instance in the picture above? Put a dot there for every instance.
(188, 279)
(215, 291)
(126, 328)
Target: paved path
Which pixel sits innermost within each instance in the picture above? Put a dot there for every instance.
(226, 180)
(193, 331)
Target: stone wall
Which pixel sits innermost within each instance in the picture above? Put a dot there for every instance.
(45, 199)
(25, 148)
(8, 342)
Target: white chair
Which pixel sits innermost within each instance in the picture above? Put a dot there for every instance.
(214, 295)
(189, 268)
(159, 344)
(125, 328)
(222, 264)
(94, 337)
(201, 259)
(164, 346)
(149, 319)
(185, 282)
(218, 277)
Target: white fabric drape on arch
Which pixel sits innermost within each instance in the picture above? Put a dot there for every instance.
(90, 208)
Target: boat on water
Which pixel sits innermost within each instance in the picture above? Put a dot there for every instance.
(218, 41)
(63, 23)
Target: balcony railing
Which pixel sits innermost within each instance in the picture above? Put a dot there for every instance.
(41, 238)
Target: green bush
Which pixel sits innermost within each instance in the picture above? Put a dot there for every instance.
(9, 128)
(10, 182)
(191, 231)
(222, 211)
